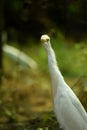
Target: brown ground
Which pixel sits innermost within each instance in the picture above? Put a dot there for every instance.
(26, 102)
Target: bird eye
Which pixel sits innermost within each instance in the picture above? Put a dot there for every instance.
(47, 40)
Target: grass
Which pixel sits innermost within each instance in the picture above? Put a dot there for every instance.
(71, 59)
(26, 95)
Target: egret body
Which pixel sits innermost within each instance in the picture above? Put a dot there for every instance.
(19, 56)
(69, 112)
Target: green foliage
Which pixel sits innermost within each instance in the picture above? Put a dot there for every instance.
(15, 5)
(71, 57)
(42, 129)
(74, 7)
(72, 61)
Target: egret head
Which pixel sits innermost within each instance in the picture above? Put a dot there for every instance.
(45, 39)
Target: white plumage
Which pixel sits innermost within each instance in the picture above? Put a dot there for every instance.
(68, 110)
(19, 56)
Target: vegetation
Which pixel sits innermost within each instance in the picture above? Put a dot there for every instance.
(25, 94)
(26, 101)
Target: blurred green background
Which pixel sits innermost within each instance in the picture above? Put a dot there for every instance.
(25, 93)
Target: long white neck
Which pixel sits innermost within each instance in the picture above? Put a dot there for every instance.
(56, 76)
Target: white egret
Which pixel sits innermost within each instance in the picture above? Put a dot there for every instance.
(69, 112)
(16, 54)
(19, 56)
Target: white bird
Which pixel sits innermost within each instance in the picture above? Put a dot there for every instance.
(69, 112)
(19, 56)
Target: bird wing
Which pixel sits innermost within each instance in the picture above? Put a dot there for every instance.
(75, 101)
(71, 113)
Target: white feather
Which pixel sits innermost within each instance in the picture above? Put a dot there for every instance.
(68, 110)
(19, 56)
